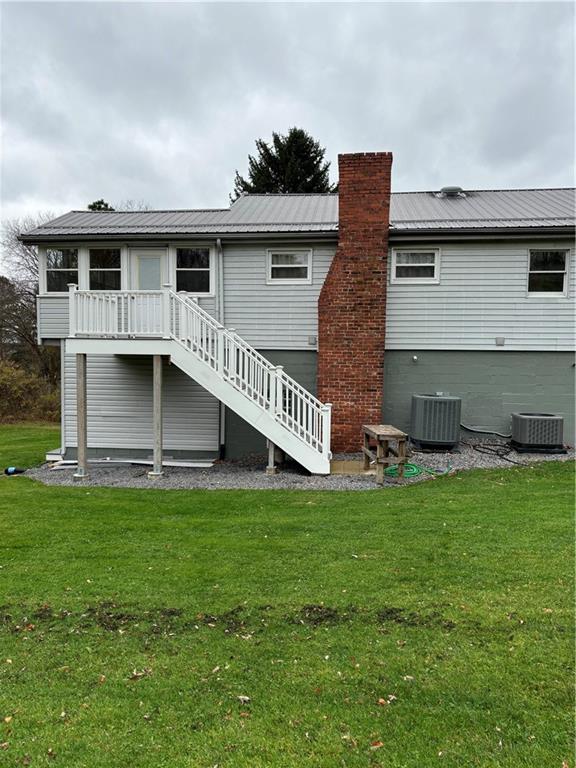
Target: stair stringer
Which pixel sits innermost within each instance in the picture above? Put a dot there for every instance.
(257, 417)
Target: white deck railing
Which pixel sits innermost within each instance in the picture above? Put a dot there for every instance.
(169, 315)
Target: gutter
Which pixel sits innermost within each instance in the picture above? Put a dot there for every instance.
(394, 235)
(492, 233)
(126, 237)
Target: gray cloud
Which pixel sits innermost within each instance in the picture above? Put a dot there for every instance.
(162, 101)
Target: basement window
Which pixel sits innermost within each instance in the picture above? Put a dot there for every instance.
(289, 267)
(61, 268)
(193, 270)
(547, 273)
(415, 266)
(105, 274)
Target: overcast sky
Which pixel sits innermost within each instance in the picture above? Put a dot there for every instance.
(163, 101)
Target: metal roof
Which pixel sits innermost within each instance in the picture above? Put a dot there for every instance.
(318, 213)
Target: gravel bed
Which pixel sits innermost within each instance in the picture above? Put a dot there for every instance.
(250, 473)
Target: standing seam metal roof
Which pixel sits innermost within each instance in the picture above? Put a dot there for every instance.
(281, 213)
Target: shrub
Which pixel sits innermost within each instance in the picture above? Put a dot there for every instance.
(25, 396)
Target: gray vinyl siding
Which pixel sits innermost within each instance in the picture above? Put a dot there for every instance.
(120, 406)
(482, 294)
(53, 317)
(272, 316)
(492, 385)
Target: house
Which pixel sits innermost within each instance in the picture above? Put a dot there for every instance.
(295, 319)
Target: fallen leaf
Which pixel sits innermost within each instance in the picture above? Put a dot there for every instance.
(8, 719)
(4, 745)
(376, 744)
(139, 675)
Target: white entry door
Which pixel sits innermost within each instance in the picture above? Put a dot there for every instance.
(148, 269)
(149, 272)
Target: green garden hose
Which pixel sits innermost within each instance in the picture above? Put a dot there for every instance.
(413, 470)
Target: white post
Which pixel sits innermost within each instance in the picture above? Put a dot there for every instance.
(81, 418)
(232, 357)
(72, 288)
(279, 394)
(220, 350)
(166, 310)
(182, 335)
(157, 415)
(326, 429)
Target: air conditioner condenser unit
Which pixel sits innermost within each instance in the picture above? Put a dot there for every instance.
(435, 421)
(537, 433)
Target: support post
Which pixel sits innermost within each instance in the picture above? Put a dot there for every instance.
(81, 418)
(271, 469)
(157, 415)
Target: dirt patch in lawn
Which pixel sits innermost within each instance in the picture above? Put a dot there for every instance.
(390, 614)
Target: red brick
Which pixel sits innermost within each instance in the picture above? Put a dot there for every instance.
(352, 303)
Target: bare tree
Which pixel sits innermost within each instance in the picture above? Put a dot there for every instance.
(20, 260)
(18, 289)
(132, 205)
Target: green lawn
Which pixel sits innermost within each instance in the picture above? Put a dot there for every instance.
(423, 626)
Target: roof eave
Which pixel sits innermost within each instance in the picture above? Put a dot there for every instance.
(480, 233)
(43, 239)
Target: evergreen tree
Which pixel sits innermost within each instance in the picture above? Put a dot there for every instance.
(290, 163)
(100, 205)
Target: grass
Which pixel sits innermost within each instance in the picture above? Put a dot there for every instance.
(429, 625)
(24, 445)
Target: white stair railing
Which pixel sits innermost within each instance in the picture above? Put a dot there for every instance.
(250, 373)
(117, 313)
(166, 314)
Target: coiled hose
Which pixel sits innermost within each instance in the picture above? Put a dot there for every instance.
(413, 470)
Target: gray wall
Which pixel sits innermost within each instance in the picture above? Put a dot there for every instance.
(53, 316)
(491, 384)
(120, 407)
(272, 316)
(241, 438)
(482, 294)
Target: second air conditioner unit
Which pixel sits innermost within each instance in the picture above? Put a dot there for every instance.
(435, 421)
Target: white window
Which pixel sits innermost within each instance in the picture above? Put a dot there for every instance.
(547, 273)
(415, 266)
(290, 266)
(105, 272)
(193, 270)
(61, 268)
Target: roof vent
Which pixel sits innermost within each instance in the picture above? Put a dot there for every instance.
(451, 192)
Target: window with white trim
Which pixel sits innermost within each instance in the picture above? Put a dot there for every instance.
(61, 268)
(415, 266)
(547, 272)
(105, 269)
(290, 266)
(193, 270)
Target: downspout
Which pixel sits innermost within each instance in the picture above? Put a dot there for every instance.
(220, 278)
(220, 312)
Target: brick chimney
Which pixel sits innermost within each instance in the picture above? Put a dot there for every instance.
(352, 303)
